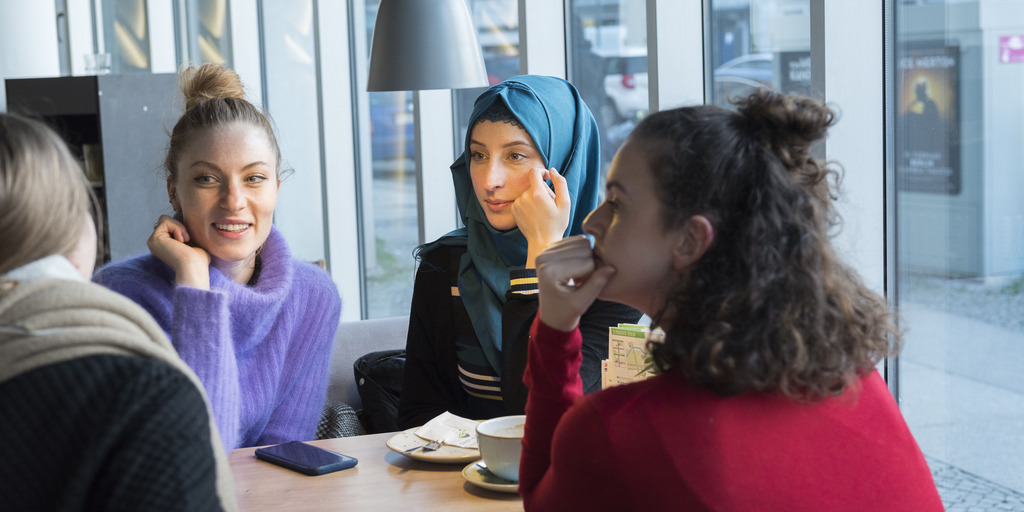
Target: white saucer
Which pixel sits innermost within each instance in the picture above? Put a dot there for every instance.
(405, 440)
(480, 476)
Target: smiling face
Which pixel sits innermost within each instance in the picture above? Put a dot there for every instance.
(226, 189)
(629, 235)
(501, 156)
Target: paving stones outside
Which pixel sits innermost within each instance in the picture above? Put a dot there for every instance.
(965, 492)
(962, 389)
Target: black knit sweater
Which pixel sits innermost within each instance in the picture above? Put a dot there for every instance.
(104, 433)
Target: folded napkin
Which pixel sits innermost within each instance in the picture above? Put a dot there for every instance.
(451, 430)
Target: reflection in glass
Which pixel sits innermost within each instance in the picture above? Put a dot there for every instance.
(209, 31)
(391, 215)
(497, 23)
(126, 35)
(960, 240)
(759, 44)
(290, 91)
(607, 42)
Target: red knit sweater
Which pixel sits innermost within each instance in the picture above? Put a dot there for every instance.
(664, 444)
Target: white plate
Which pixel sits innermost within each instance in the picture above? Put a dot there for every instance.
(407, 439)
(477, 475)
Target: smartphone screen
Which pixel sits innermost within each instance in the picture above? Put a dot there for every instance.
(305, 458)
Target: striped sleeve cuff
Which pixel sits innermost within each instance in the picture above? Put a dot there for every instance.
(524, 281)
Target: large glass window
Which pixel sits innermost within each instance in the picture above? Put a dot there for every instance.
(208, 29)
(390, 227)
(607, 42)
(758, 44)
(291, 90)
(959, 114)
(497, 23)
(126, 35)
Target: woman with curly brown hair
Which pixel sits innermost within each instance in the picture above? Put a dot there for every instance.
(717, 225)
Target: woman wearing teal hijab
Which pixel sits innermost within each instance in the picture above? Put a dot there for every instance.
(475, 292)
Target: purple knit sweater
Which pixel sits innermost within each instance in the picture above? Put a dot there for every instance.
(262, 352)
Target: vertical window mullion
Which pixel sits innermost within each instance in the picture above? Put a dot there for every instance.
(338, 147)
(542, 37)
(435, 134)
(675, 53)
(854, 85)
(161, 36)
(247, 41)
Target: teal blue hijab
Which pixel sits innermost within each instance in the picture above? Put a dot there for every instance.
(565, 133)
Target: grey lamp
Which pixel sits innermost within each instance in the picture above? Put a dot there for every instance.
(425, 44)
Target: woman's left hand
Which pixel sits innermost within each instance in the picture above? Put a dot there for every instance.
(542, 214)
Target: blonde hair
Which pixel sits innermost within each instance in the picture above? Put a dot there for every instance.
(214, 95)
(44, 194)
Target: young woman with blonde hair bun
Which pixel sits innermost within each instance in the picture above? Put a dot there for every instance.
(256, 324)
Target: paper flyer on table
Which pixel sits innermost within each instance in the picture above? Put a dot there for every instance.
(628, 357)
(451, 430)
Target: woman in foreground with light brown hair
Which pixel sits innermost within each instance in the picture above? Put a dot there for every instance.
(99, 413)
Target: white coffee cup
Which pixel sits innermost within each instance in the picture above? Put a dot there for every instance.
(501, 443)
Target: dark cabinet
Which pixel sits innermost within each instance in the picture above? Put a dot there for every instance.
(119, 126)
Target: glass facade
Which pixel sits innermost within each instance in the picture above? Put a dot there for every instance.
(759, 44)
(959, 94)
(497, 23)
(126, 35)
(208, 31)
(390, 229)
(607, 46)
(290, 92)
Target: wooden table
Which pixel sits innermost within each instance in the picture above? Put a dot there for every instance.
(383, 480)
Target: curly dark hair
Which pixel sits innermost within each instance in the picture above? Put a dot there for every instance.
(769, 307)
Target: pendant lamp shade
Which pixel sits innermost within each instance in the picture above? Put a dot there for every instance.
(425, 44)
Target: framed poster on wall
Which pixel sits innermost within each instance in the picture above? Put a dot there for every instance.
(928, 123)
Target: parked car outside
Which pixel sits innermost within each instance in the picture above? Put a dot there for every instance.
(741, 76)
(625, 84)
(625, 88)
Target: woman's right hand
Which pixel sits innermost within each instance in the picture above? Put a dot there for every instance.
(568, 282)
(169, 243)
(542, 213)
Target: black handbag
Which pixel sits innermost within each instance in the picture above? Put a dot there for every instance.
(379, 382)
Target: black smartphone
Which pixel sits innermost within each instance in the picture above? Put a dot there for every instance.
(305, 458)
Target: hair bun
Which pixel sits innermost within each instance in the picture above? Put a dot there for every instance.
(207, 82)
(786, 125)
